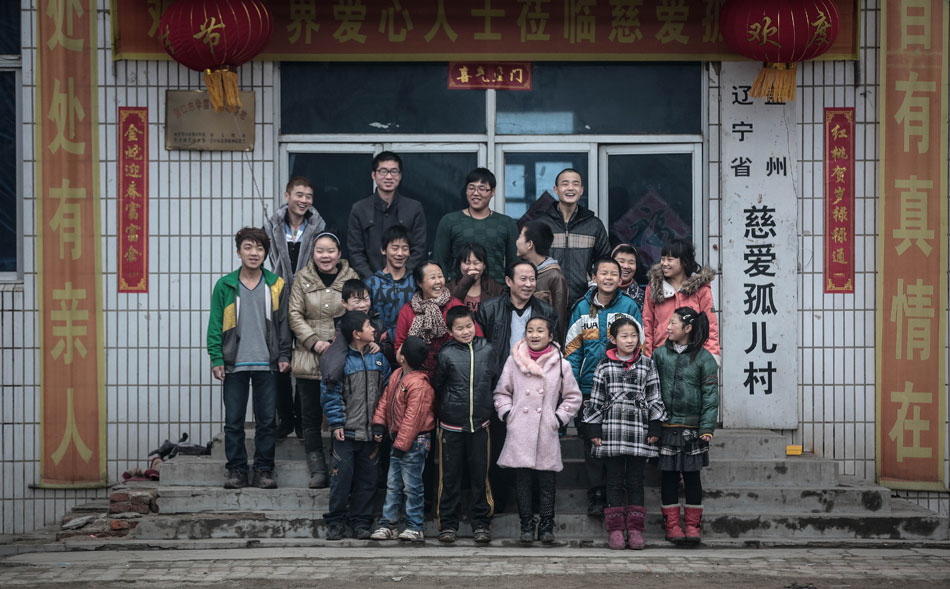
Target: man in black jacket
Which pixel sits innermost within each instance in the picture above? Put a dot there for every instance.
(579, 236)
(373, 215)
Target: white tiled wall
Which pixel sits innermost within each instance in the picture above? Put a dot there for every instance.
(158, 381)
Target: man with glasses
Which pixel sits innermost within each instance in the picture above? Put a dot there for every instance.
(373, 215)
(477, 223)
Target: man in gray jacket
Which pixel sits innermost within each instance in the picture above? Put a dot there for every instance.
(292, 231)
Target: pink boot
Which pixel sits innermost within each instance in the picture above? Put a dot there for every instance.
(635, 520)
(694, 515)
(614, 520)
(671, 523)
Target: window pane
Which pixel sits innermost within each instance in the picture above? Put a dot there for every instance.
(608, 98)
(376, 98)
(650, 199)
(9, 27)
(435, 179)
(9, 237)
(529, 175)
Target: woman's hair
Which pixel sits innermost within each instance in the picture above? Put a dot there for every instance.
(685, 251)
(547, 321)
(420, 271)
(619, 322)
(700, 329)
(468, 249)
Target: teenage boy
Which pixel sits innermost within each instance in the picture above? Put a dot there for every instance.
(348, 406)
(579, 236)
(373, 215)
(404, 416)
(534, 245)
(393, 286)
(292, 232)
(476, 223)
(463, 378)
(249, 341)
(586, 345)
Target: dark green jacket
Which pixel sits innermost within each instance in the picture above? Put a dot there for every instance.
(690, 388)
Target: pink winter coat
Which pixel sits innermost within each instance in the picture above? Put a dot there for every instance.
(661, 300)
(530, 397)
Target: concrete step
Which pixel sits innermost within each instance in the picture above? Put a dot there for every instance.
(797, 471)
(908, 523)
(864, 498)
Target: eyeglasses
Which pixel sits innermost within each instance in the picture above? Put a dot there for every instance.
(384, 172)
(481, 189)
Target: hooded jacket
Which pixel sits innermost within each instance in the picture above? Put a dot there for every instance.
(534, 398)
(279, 256)
(462, 380)
(577, 243)
(690, 388)
(662, 300)
(587, 337)
(405, 409)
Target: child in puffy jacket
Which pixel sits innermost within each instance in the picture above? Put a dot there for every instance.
(535, 396)
(404, 414)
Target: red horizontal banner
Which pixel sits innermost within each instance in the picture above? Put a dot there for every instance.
(494, 75)
(839, 200)
(440, 30)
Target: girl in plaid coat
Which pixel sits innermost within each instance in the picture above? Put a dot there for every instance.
(624, 416)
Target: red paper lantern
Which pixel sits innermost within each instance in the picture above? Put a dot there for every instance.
(779, 33)
(216, 36)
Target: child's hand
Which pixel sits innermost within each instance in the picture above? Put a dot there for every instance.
(706, 438)
(653, 439)
(596, 441)
(373, 348)
(338, 434)
(378, 438)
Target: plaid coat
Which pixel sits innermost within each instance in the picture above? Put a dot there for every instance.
(622, 404)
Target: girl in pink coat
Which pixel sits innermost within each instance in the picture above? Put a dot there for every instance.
(535, 396)
(678, 281)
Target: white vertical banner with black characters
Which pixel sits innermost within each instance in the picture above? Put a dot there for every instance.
(759, 328)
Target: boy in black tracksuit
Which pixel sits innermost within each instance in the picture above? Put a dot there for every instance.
(462, 380)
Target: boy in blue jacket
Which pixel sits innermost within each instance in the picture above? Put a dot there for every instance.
(348, 406)
(585, 345)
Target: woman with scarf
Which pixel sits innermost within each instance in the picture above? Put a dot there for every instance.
(424, 314)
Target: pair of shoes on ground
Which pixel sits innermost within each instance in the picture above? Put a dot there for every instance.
(480, 535)
(387, 533)
(263, 479)
(336, 531)
(693, 515)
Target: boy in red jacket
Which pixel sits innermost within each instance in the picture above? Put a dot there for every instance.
(405, 414)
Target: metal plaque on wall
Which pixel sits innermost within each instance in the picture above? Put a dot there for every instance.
(191, 123)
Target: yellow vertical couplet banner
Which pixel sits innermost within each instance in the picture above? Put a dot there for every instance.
(912, 245)
(69, 289)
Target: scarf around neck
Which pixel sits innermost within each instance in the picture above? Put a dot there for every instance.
(428, 324)
(535, 355)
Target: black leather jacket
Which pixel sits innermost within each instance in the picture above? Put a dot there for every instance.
(494, 316)
(463, 379)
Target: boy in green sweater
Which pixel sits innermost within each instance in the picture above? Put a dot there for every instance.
(249, 341)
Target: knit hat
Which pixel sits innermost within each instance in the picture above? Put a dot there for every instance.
(415, 351)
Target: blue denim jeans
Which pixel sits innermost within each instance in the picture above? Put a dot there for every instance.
(236, 388)
(405, 479)
(353, 469)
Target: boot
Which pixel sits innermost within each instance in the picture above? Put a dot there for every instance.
(546, 496)
(598, 500)
(317, 464)
(694, 515)
(527, 529)
(546, 530)
(635, 519)
(614, 521)
(671, 522)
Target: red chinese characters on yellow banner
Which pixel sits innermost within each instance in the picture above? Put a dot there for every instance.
(484, 75)
(839, 200)
(72, 424)
(535, 30)
(912, 245)
(133, 199)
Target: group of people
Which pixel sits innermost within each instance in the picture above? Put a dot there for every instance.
(489, 348)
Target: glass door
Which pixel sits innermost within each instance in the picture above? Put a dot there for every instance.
(652, 193)
(526, 174)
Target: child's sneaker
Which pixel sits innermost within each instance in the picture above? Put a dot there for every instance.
(482, 535)
(447, 536)
(412, 535)
(384, 533)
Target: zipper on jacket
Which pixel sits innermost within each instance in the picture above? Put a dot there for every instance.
(471, 386)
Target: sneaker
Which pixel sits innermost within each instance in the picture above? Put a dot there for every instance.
(447, 536)
(362, 533)
(482, 535)
(236, 479)
(383, 533)
(412, 535)
(265, 479)
(334, 532)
